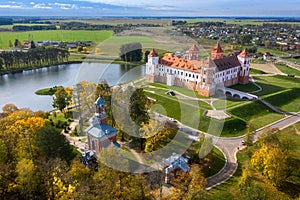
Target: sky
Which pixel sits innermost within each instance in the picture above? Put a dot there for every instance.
(253, 8)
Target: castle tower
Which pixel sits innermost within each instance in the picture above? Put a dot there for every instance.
(194, 53)
(100, 110)
(152, 66)
(244, 59)
(217, 52)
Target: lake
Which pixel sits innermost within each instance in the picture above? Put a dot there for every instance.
(20, 88)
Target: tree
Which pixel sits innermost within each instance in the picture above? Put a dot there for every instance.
(249, 136)
(27, 179)
(196, 188)
(10, 45)
(245, 39)
(61, 99)
(56, 147)
(146, 56)
(32, 45)
(265, 160)
(131, 52)
(9, 108)
(16, 43)
(248, 188)
(138, 107)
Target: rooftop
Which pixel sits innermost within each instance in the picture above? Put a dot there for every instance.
(101, 131)
(217, 49)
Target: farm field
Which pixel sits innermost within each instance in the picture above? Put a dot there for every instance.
(54, 35)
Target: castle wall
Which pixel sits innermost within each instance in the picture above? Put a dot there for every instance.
(160, 79)
(231, 82)
(181, 83)
(150, 78)
(244, 79)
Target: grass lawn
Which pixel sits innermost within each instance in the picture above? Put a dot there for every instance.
(287, 70)
(257, 113)
(48, 91)
(217, 161)
(256, 71)
(230, 189)
(250, 87)
(276, 84)
(55, 35)
(288, 100)
(222, 104)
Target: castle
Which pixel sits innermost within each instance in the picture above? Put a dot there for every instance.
(201, 75)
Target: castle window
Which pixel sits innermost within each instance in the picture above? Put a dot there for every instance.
(203, 80)
(190, 75)
(245, 62)
(204, 72)
(197, 77)
(181, 73)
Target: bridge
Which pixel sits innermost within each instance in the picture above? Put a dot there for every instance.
(234, 94)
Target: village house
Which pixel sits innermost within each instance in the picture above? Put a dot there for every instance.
(202, 75)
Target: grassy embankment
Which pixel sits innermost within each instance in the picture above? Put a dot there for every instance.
(287, 70)
(281, 91)
(230, 189)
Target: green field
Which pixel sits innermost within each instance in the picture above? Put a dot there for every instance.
(112, 45)
(288, 100)
(54, 35)
(256, 71)
(287, 70)
(256, 113)
(274, 84)
(250, 87)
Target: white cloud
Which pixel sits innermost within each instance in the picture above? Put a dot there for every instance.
(65, 6)
(32, 3)
(42, 6)
(10, 6)
(62, 4)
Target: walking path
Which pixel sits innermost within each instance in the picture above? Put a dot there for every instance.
(75, 141)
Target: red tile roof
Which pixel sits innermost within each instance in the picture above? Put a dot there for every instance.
(182, 63)
(217, 49)
(244, 54)
(194, 48)
(227, 63)
(153, 53)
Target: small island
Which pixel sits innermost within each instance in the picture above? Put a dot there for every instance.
(48, 91)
